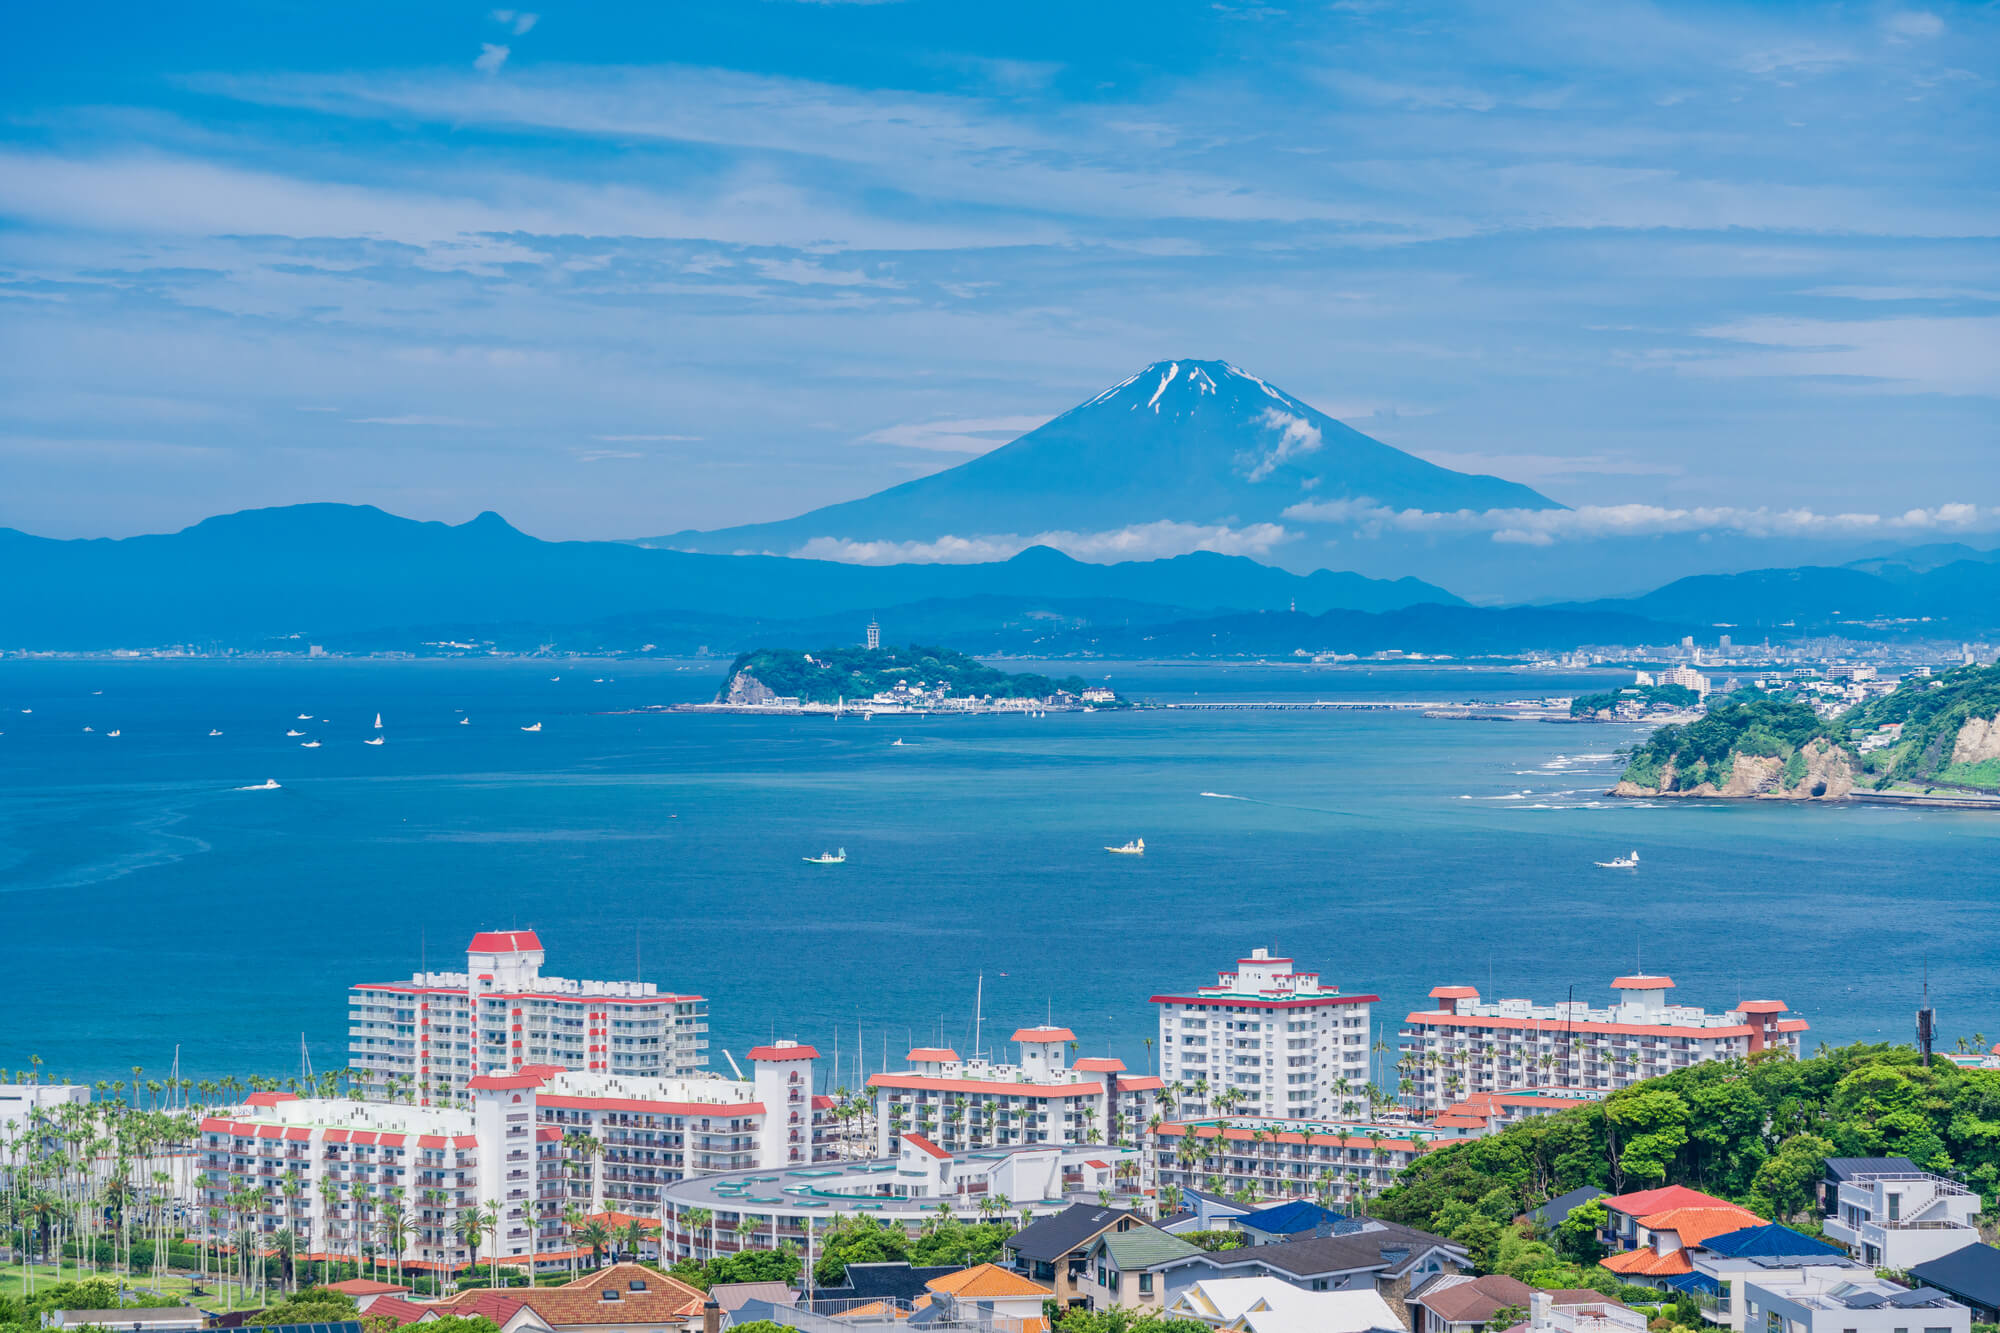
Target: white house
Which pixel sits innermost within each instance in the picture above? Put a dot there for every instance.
(1801, 1301)
(1890, 1214)
(1272, 1305)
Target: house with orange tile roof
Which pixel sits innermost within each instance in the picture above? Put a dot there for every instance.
(1658, 1228)
(1465, 1045)
(991, 1295)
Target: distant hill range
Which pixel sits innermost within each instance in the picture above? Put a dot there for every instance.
(328, 570)
(1181, 441)
(357, 579)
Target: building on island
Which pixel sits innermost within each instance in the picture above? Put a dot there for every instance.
(433, 1033)
(1265, 1040)
(1468, 1046)
(706, 1215)
(964, 1105)
(1331, 1161)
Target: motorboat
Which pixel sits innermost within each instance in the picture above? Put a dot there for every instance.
(373, 740)
(827, 858)
(532, 726)
(1136, 847)
(268, 784)
(1620, 863)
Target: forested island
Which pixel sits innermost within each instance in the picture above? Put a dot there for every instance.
(1939, 733)
(913, 675)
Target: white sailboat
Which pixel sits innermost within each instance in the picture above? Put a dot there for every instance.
(465, 722)
(1136, 847)
(827, 858)
(378, 722)
(1620, 863)
(532, 726)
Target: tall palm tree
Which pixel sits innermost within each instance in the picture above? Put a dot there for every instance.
(395, 1227)
(700, 1219)
(470, 1227)
(572, 1222)
(594, 1236)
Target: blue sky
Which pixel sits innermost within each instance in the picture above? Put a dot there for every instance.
(617, 271)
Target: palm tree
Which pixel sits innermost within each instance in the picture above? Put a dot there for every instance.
(572, 1222)
(469, 1227)
(594, 1236)
(746, 1227)
(395, 1226)
(698, 1220)
(634, 1235)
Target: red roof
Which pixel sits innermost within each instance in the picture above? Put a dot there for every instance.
(1642, 982)
(925, 1055)
(1099, 1064)
(504, 941)
(391, 1306)
(503, 1082)
(1644, 1203)
(269, 1098)
(1098, 1166)
(1454, 992)
(1012, 1089)
(1043, 1034)
(1649, 1263)
(919, 1141)
(648, 1106)
(1761, 1007)
(366, 1286)
(783, 1053)
(1243, 1002)
(1556, 1027)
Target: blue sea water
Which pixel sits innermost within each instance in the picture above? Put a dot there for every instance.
(148, 903)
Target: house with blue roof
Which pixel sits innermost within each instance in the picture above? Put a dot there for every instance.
(1288, 1221)
(1724, 1264)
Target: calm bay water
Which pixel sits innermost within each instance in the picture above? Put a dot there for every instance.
(146, 902)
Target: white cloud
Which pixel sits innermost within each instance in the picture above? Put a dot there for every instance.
(970, 435)
(636, 439)
(491, 57)
(1942, 354)
(1545, 527)
(1296, 436)
(599, 455)
(1905, 24)
(1140, 541)
(519, 20)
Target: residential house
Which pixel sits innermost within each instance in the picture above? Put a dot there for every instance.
(1288, 1221)
(618, 1298)
(1604, 1316)
(365, 1291)
(1892, 1214)
(1722, 1264)
(158, 1319)
(1051, 1250)
(1653, 1230)
(1971, 1275)
(1460, 1303)
(1124, 1268)
(992, 1297)
(1390, 1258)
(1545, 1219)
(1805, 1302)
(1272, 1305)
(898, 1284)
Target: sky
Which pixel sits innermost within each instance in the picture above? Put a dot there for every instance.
(617, 271)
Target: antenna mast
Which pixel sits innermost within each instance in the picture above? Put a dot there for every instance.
(1926, 1019)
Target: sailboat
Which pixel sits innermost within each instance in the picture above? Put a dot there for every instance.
(465, 722)
(532, 726)
(827, 858)
(897, 741)
(378, 722)
(1621, 863)
(1136, 847)
(373, 740)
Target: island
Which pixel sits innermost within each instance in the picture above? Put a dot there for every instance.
(911, 679)
(1934, 740)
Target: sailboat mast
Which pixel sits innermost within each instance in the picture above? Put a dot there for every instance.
(978, 1013)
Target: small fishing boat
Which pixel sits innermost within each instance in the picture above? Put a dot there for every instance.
(1620, 863)
(90, 728)
(827, 858)
(532, 726)
(465, 722)
(897, 741)
(295, 732)
(114, 732)
(308, 745)
(373, 740)
(305, 717)
(268, 784)
(1136, 847)
(214, 731)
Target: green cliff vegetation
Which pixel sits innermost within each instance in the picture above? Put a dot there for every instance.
(1932, 713)
(827, 675)
(1676, 696)
(1756, 1131)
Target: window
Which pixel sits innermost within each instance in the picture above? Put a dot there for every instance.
(609, 1294)
(1775, 1322)
(1145, 1284)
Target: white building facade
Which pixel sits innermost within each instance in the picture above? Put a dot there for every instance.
(1042, 1099)
(1334, 1163)
(1265, 1040)
(1468, 1046)
(435, 1032)
(1899, 1219)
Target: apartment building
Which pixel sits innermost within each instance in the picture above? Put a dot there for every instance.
(435, 1032)
(1265, 1040)
(1810, 1301)
(1466, 1045)
(1279, 1159)
(1041, 1099)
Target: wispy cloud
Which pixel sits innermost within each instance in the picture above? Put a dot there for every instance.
(1140, 541)
(520, 21)
(638, 439)
(1296, 437)
(492, 56)
(1545, 527)
(965, 435)
(419, 419)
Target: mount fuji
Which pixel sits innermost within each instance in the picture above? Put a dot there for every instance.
(1180, 442)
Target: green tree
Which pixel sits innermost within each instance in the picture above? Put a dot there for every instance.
(314, 1305)
(857, 1240)
(1577, 1234)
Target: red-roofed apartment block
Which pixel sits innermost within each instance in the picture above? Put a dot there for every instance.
(1244, 1034)
(1465, 1046)
(438, 1030)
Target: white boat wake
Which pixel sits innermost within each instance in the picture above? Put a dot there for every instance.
(1225, 796)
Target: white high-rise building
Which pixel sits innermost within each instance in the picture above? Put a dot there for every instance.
(1265, 1040)
(438, 1030)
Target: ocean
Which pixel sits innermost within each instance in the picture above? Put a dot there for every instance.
(150, 903)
